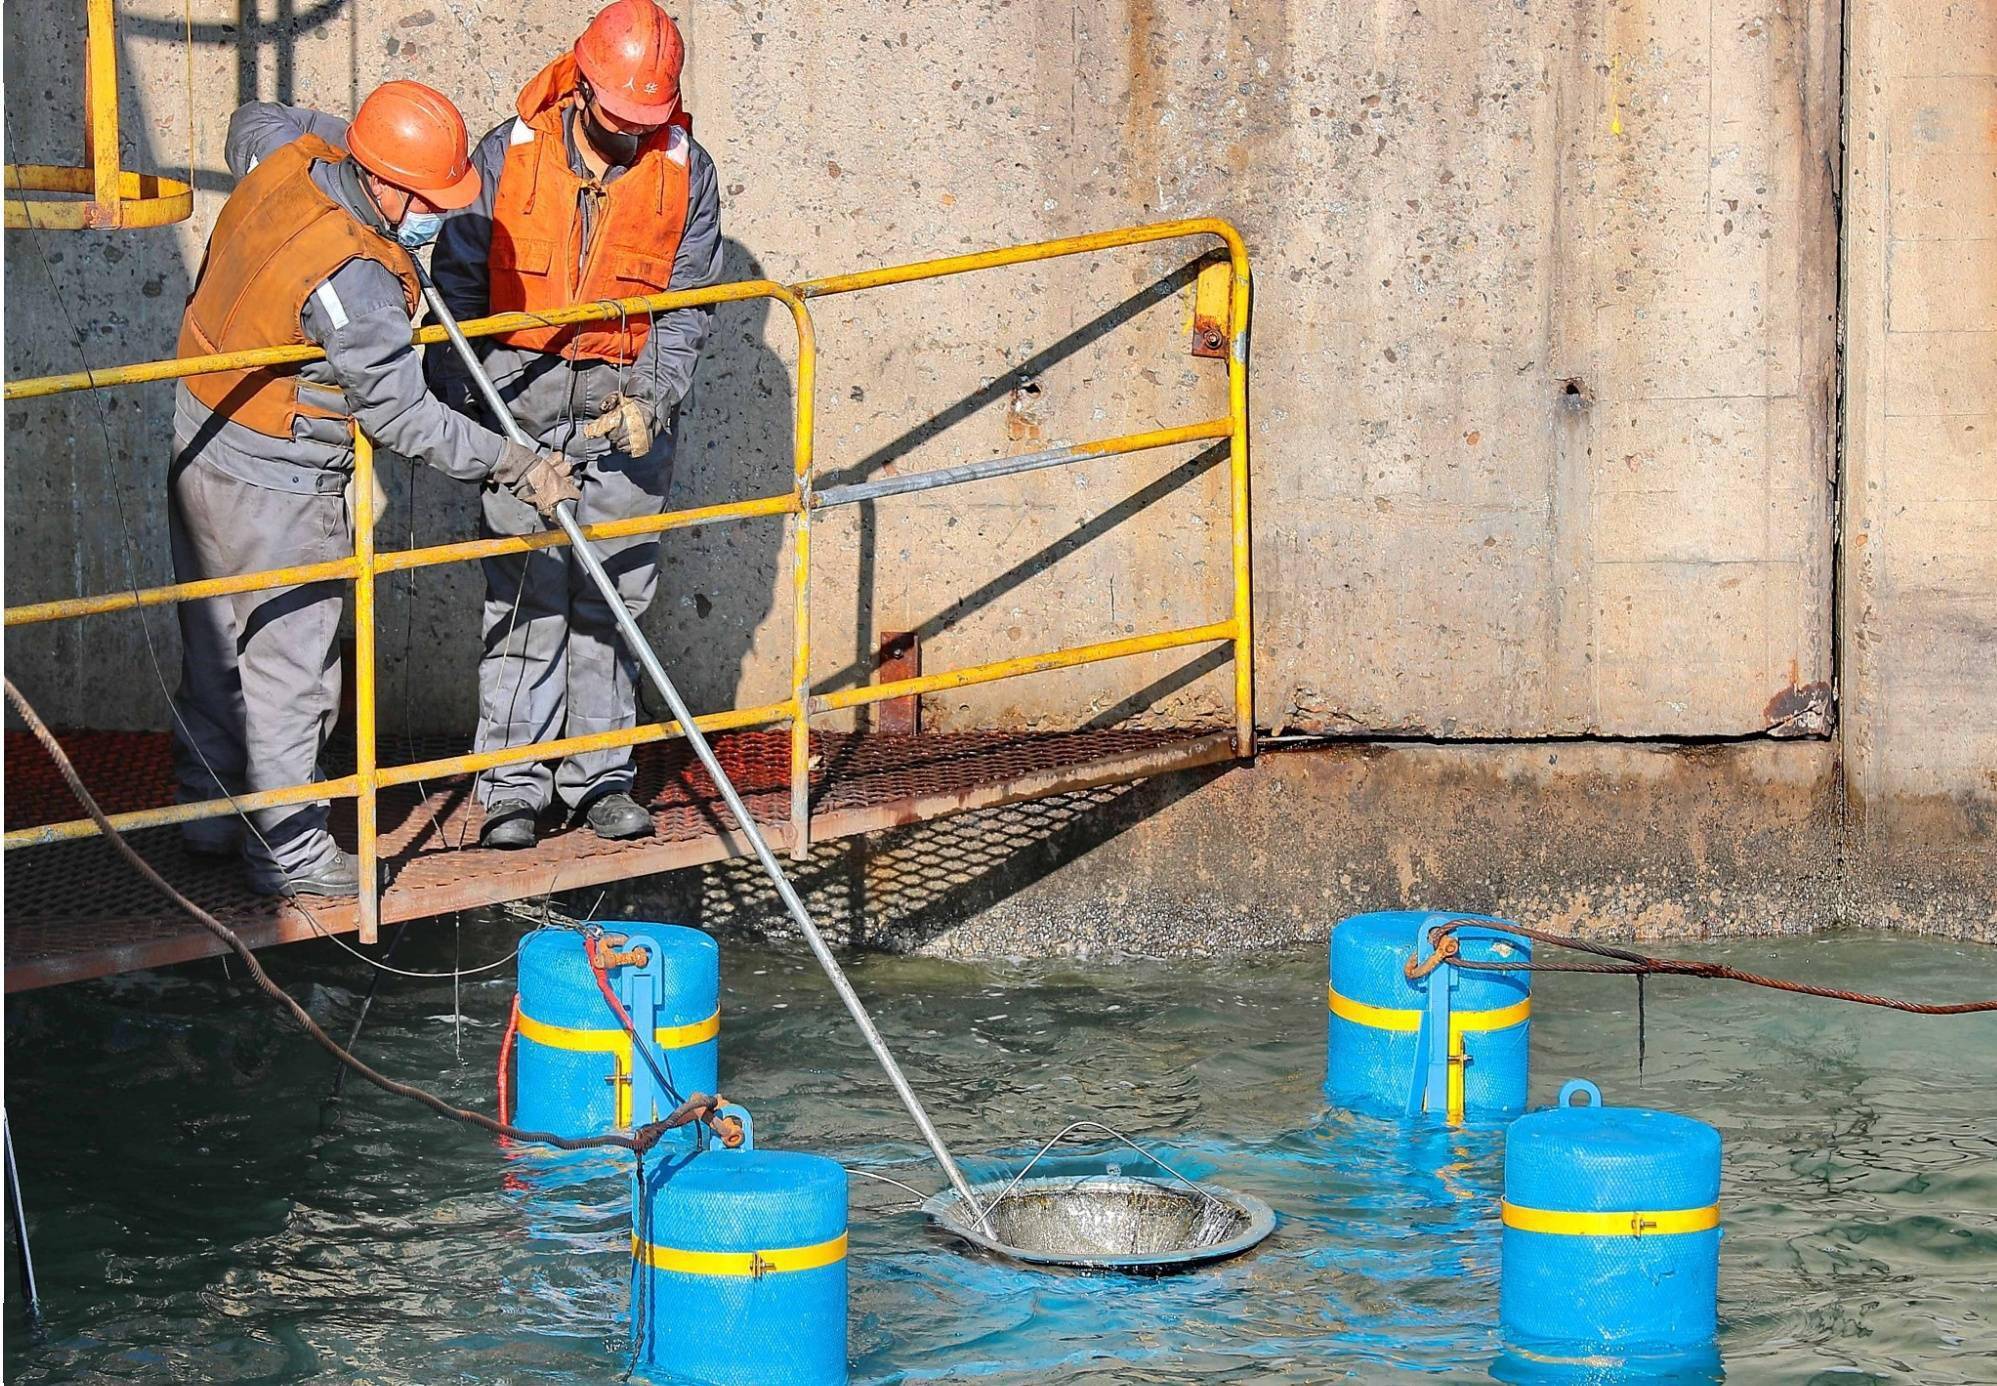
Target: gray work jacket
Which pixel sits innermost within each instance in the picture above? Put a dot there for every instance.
(371, 372)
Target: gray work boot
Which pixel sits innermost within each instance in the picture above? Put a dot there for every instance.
(616, 816)
(509, 825)
(338, 876)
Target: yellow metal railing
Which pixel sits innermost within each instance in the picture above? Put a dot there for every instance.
(800, 502)
(56, 197)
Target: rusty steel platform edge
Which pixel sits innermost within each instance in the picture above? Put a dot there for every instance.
(629, 863)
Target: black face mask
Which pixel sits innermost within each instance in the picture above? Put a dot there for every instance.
(619, 148)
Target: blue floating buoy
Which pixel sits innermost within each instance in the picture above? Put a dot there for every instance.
(739, 1266)
(576, 1074)
(1611, 1230)
(1452, 1044)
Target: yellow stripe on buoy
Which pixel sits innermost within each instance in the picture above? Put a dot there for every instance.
(617, 1045)
(1373, 1017)
(750, 1263)
(616, 1041)
(1659, 1223)
(1407, 1021)
(685, 1036)
(567, 1037)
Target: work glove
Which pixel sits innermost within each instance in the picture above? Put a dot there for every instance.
(542, 478)
(626, 422)
(348, 494)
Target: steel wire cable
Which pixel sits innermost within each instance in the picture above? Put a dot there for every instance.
(1625, 962)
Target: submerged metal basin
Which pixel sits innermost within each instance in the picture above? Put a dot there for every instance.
(1110, 1222)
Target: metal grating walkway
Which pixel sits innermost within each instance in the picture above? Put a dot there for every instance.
(74, 911)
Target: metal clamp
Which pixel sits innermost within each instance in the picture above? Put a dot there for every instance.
(741, 1115)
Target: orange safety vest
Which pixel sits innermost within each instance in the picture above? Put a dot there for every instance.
(538, 261)
(278, 238)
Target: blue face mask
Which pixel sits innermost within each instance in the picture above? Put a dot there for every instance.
(419, 229)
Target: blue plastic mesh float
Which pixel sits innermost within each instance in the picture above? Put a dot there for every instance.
(739, 1266)
(1452, 1045)
(1611, 1229)
(576, 1074)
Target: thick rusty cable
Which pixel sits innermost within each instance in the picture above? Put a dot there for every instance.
(1628, 963)
(640, 1140)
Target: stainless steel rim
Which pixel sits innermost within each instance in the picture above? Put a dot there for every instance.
(943, 1211)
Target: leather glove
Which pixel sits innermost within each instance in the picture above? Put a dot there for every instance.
(626, 422)
(542, 478)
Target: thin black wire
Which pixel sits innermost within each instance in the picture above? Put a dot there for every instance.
(1639, 1028)
(640, 1139)
(367, 1004)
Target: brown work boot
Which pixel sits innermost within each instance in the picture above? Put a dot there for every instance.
(339, 876)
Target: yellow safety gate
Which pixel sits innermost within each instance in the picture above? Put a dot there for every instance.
(368, 778)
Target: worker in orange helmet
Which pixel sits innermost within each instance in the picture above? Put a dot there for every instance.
(596, 189)
(313, 246)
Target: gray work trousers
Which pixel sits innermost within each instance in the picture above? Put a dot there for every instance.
(554, 664)
(260, 671)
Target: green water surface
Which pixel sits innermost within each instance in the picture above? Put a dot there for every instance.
(200, 1213)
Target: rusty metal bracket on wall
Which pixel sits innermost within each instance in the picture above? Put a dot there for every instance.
(100, 196)
(1213, 293)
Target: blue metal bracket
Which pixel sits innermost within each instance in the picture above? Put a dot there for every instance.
(643, 990)
(1432, 1052)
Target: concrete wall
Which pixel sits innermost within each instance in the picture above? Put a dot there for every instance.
(1545, 337)
(1618, 840)
(1546, 400)
(1920, 548)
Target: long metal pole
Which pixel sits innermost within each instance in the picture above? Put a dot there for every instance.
(18, 1214)
(565, 516)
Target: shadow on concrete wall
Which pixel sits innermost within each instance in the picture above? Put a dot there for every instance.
(251, 36)
(738, 431)
(905, 888)
(994, 392)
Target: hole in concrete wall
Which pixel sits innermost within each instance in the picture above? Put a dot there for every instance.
(1024, 412)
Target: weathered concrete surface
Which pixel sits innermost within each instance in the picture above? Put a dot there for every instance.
(1629, 841)
(1919, 615)
(1544, 344)
(1545, 357)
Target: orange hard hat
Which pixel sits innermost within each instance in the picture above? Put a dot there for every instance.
(632, 54)
(412, 136)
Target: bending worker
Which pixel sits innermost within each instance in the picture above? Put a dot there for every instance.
(312, 246)
(595, 191)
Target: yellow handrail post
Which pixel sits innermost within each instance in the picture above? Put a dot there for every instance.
(1237, 470)
(800, 671)
(800, 706)
(365, 774)
(100, 103)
